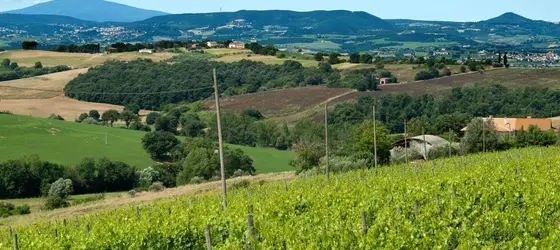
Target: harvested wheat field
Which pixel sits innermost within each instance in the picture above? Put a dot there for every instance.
(52, 83)
(68, 108)
(28, 58)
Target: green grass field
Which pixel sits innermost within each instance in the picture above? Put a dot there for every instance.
(68, 143)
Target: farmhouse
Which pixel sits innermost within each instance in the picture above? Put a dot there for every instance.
(513, 125)
(147, 51)
(212, 44)
(236, 45)
(418, 142)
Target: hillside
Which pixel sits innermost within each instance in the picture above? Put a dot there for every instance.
(511, 19)
(296, 107)
(68, 143)
(91, 10)
(335, 22)
(27, 19)
(494, 200)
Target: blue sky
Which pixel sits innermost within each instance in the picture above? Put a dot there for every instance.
(469, 10)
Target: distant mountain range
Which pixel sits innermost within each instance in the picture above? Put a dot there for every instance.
(91, 10)
(98, 21)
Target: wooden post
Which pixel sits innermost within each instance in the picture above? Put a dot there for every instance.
(220, 141)
(327, 141)
(416, 207)
(437, 203)
(374, 139)
(364, 223)
(208, 237)
(250, 210)
(251, 227)
(405, 144)
(137, 212)
(64, 222)
(425, 146)
(10, 232)
(284, 245)
(285, 186)
(55, 235)
(87, 230)
(454, 192)
(16, 247)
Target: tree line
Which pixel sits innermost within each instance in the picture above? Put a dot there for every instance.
(190, 80)
(12, 71)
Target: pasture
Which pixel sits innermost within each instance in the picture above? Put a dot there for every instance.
(68, 143)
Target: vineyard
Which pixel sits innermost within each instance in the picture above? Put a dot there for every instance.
(507, 200)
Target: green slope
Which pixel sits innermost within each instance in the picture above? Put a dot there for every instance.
(68, 143)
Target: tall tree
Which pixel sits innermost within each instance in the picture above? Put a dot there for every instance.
(110, 116)
(128, 117)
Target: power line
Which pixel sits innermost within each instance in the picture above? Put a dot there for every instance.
(104, 93)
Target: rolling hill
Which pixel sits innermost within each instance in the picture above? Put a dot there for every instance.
(92, 10)
(339, 21)
(68, 143)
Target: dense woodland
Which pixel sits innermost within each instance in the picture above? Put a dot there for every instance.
(190, 80)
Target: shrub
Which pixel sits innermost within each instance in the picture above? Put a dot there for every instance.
(61, 188)
(55, 202)
(91, 121)
(238, 173)
(132, 193)
(442, 151)
(240, 185)
(399, 156)
(156, 187)
(55, 117)
(8, 209)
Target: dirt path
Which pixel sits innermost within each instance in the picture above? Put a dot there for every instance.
(141, 198)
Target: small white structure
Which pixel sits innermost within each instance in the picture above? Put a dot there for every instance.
(417, 143)
(236, 45)
(211, 44)
(146, 51)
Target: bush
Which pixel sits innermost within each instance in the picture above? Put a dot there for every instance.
(8, 209)
(240, 185)
(442, 151)
(132, 193)
(156, 187)
(92, 121)
(55, 202)
(399, 156)
(61, 188)
(55, 117)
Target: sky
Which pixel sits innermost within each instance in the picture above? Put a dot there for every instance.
(441, 10)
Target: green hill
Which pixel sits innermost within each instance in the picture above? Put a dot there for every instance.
(68, 143)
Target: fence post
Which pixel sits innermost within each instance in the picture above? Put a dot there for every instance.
(137, 212)
(208, 237)
(250, 209)
(437, 204)
(55, 235)
(364, 223)
(16, 247)
(64, 222)
(454, 192)
(286, 186)
(416, 207)
(251, 227)
(87, 230)
(10, 231)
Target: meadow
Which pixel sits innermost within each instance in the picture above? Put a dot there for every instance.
(505, 200)
(68, 143)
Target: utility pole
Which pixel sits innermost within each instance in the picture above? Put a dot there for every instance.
(374, 139)
(405, 144)
(106, 140)
(449, 144)
(425, 146)
(483, 137)
(220, 141)
(327, 140)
